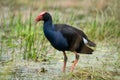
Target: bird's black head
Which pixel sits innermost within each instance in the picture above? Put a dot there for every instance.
(45, 16)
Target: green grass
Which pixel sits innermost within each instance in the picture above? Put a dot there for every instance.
(107, 30)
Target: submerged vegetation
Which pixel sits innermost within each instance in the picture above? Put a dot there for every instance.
(22, 39)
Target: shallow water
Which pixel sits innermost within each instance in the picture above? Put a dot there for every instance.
(19, 69)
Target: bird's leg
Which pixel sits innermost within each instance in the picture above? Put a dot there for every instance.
(65, 61)
(75, 62)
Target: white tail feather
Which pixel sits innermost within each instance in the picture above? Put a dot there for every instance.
(85, 40)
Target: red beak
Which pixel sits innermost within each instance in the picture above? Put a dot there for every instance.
(39, 18)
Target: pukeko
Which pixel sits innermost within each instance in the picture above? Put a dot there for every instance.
(64, 37)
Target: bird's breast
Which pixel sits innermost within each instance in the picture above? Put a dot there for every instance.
(56, 39)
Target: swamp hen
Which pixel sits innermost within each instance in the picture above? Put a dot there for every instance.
(64, 37)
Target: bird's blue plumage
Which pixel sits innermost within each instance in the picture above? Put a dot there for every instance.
(55, 37)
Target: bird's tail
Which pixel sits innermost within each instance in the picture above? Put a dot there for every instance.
(90, 43)
(86, 50)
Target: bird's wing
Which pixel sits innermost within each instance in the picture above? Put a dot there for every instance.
(71, 34)
(69, 31)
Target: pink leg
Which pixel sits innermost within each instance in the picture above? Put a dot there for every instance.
(65, 61)
(75, 62)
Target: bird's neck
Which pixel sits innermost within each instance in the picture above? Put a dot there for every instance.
(49, 31)
(48, 28)
(48, 25)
